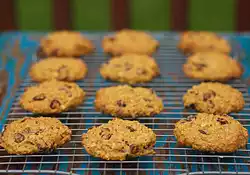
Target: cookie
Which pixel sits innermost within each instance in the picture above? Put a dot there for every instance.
(126, 101)
(64, 44)
(119, 139)
(192, 42)
(129, 41)
(34, 134)
(51, 97)
(212, 66)
(64, 69)
(130, 68)
(214, 98)
(211, 133)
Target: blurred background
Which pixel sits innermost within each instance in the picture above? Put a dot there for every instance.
(104, 15)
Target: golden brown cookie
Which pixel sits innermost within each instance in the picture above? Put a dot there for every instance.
(64, 69)
(129, 41)
(52, 97)
(119, 139)
(212, 133)
(214, 98)
(130, 68)
(64, 44)
(34, 134)
(192, 42)
(126, 101)
(212, 66)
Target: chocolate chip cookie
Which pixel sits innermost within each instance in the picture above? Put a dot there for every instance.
(211, 133)
(130, 68)
(64, 44)
(64, 69)
(192, 42)
(119, 139)
(214, 98)
(52, 97)
(126, 101)
(212, 66)
(129, 41)
(34, 134)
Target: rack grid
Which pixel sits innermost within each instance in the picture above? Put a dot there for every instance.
(170, 158)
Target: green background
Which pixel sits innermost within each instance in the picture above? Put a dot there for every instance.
(217, 15)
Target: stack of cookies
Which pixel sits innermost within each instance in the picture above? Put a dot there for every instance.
(211, 130)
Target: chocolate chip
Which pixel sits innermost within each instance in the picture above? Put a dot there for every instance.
(105, 133)
(66, 91)
(106, 136)
(141, 71)
(39, 97)
(55, 104)
(134, 149)
(68, 86)
(40, 52)
(222, 121)
(105, 129)
(190, 118)
(27, 130)
(148, 146)
(63, 72)
(211, 103)
(208, 95)
(150, 106)
(130, 128)
(126, 142)
(211, 47)
(202, 131)
(199, 67)
(111, 39)
(128, 66)
(119, 112)
(54, 52)
(153, 113)
(192, 106)
(18, 137)
(147, 99)
(120, 103)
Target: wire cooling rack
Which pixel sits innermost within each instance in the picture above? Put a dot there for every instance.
(170, 158)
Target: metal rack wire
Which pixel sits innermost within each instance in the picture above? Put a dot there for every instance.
(170, 158)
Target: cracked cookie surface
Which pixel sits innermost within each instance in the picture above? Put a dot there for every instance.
(52, 97)
(126, 101)
(129, 41)
(212, 66)
(34, 134)
(64, 44)
(211, 133)
(214, 98)
(130, 68)
(192, 42)
(119, 139)
(64, 69)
